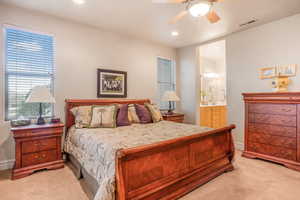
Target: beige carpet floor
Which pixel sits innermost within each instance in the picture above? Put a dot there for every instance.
(251, 180)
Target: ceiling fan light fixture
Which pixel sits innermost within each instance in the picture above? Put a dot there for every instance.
(79, 2)
(199, 9)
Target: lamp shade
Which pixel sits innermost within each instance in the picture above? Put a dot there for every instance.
(170, 96)
(40, 94)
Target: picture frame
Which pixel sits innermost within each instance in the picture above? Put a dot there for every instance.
(287, 71)
(268, 72)
(111, 83)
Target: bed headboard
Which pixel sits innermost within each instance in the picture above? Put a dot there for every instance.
(71, 103)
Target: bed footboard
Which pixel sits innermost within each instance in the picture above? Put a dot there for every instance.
(170, 169)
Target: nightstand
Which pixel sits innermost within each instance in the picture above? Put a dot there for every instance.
(175, 117)
(37, 147)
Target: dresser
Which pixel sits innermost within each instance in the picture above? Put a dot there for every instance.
(213, 116)
(272, 127)
(37, 147)
(175, 117)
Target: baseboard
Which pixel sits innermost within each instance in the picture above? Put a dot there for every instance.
(6, 164)
(239, 146)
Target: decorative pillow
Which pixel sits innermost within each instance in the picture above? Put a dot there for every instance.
(104, 116)
(143, 114)
(132, 115)
(122, 116)
(82, 116)
(155, 112)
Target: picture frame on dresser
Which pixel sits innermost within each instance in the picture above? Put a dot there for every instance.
(272, 127)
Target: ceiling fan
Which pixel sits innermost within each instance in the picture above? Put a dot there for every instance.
(196, 8)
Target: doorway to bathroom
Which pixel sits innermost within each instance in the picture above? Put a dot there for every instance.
(212, 105)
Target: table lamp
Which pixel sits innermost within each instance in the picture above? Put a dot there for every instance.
(40, 94)
(170, 96)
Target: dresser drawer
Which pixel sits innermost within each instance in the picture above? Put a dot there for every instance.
(38, 145)
(39, 158)
(282, 120)
(270, 150)
(273, 140)
(279, 109)
(272, 130)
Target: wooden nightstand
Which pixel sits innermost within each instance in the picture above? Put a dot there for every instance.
(37, 147)
(175, 117)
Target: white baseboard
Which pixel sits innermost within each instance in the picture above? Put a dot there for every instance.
(6, 164)
(239, 146)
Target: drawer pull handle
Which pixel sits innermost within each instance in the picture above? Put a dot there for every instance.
(286, 110)
(40, 157)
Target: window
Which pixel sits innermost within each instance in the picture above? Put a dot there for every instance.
(28, 63)
(166, 80)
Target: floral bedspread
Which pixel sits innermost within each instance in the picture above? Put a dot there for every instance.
(96, 149)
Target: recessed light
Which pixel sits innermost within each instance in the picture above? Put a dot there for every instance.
(174, 33)
(79, 2)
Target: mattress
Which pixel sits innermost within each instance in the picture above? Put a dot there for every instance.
(95, 149)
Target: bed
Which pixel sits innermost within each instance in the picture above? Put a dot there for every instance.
(163, 160)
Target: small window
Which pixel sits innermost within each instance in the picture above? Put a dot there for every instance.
(28, 63)
(166, 80)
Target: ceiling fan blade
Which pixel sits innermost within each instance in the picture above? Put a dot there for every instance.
(178, 17)
(213, 17)
(168, 1)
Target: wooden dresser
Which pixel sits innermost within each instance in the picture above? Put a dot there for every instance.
(175, 117)
(213, 116)
(37, 147)
(272, 127)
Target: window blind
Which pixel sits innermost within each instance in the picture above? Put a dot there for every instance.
(28, 63)
(166, 80)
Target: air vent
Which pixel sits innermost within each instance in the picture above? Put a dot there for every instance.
(248, 23)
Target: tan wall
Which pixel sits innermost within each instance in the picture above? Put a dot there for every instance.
(80, 50)
(276, 43)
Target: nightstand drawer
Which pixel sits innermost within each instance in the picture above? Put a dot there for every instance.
(38, 145)
(39, 158)
(176, 119)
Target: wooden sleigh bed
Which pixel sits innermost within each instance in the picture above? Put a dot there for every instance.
(168, 169)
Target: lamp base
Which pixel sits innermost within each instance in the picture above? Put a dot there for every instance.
(170, 112)
(40, 121)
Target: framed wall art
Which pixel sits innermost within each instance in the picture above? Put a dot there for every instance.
(289, 70)
(111, 83)
(267, 72)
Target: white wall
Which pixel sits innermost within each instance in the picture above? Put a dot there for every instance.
(277, 43)
(80, 50)
(188, 59)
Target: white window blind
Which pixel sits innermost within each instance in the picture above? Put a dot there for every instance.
(166, 80)
(28, 63)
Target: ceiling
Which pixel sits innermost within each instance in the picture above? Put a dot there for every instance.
(142, 19)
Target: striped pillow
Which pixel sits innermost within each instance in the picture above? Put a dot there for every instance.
(132, 116)
(155, 112)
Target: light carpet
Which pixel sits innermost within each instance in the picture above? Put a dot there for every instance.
(251, 180)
